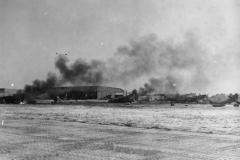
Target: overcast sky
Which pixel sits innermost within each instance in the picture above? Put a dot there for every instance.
(33, 31)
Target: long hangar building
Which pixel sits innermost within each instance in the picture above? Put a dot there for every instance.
(85, 92)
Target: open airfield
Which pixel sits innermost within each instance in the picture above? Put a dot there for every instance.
(119, 131)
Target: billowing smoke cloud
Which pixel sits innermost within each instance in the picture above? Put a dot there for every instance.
(159, 85)
(183, 64)
(40, 86)
(80, 72)
(186, 63)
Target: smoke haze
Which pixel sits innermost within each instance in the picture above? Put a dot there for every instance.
(183, 67)
(159, 85)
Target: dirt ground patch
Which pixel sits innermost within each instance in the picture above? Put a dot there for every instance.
(194, 118)
(116, 131)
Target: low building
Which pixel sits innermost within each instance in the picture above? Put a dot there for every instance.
(84, 92)
(191, 95)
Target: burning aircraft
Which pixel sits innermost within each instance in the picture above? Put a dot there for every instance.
(232, 99)
(187, 98)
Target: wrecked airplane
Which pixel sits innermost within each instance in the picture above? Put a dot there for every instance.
(187, 98)
(232, 99)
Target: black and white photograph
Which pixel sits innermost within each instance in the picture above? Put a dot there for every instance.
(119, 79)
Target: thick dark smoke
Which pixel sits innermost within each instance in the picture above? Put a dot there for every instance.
(183, 64)
(80, 72)
(40, 86)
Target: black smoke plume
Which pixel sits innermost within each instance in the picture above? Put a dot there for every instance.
(80, 72)
(40, 86)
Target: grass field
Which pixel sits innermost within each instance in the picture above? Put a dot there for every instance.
(62, 131)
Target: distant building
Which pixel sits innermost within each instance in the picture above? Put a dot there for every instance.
(84, 92)
(191, 95)
(143, 98)
(155, 97)
(7, 92)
